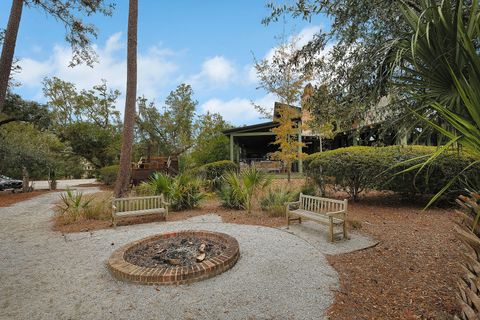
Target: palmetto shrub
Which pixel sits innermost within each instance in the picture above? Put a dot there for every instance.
(183, 191)
(239, 190)
(72, 205)
(275, 199)
(76, 205)
(438, 62)
(232, 194)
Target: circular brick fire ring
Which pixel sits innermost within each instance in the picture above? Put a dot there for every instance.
(213, 265)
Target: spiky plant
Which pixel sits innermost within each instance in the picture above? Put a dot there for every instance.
(73, 204)
(241, 189)
(440, 67)
(183, 191)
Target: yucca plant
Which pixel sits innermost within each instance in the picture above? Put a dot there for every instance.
(439, 65)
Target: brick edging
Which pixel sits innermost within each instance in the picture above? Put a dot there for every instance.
(123, 270)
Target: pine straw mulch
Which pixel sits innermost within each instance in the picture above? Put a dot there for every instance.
(411, 274)
(7, 198)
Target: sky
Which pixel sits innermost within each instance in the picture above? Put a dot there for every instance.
(207, 44)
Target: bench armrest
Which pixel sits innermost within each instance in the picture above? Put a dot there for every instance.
(336, 213)
(289, 204)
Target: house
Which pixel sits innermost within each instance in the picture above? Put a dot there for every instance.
(254, 144)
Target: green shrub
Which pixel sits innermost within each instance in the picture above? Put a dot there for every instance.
(213, 172)
(240, 189)
(355, 169)
(182, 191)
(108, 175)
(274, 201)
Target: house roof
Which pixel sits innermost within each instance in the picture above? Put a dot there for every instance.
(252, 128)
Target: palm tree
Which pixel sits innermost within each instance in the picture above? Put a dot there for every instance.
(123, 178)
(8, 49)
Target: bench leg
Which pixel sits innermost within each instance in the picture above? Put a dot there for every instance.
(288, 219)
(331, 229)
(345, 235)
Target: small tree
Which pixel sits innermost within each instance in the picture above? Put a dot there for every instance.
(285, 79)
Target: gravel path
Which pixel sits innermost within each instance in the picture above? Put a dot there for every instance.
(46, 275)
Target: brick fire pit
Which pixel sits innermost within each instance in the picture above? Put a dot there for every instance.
(175, 257)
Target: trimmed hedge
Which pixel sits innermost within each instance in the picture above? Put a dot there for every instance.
(355, 169)
(108, 175)
(213, 172)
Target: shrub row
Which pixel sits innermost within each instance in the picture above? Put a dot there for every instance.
(355, 169)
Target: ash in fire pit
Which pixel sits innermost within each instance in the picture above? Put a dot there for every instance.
(175, 251)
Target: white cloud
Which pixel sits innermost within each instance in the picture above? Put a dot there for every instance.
(238, 111)
(216, 72)
(32, 72)
(218, 69)
(155, 71)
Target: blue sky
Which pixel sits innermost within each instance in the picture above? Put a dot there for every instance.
(207, 44)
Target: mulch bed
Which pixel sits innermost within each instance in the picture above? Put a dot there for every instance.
(7, 198)
(411, 274)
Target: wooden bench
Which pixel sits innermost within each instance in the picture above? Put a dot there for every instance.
(137, 206)
(323, 210)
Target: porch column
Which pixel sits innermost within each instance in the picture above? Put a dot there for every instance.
(300, 160)
(231, 148)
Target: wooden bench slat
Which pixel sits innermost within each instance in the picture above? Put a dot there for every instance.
(133, 206)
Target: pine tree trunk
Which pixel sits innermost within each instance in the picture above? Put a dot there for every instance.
(123, 177)
(8, 49)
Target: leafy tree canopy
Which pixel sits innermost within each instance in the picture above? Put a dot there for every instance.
(346, 57)
(24, 145)
(169, 132)
(86, 119)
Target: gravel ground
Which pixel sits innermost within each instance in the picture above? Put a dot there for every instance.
(47, 275)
